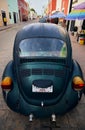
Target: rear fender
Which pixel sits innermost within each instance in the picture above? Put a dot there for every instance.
(77, 69)
(12, 97)
(8, 70)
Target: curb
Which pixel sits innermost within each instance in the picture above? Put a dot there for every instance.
(4, 28)
(12, 25)
(8, 26)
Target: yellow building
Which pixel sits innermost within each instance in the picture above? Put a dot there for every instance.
(4, 12)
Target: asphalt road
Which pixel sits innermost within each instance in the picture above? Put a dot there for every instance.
(9, 120)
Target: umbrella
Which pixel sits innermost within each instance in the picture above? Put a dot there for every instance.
(80, 6)
(76, 14)
(58, 15)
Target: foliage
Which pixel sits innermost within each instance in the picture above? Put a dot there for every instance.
(32, 10)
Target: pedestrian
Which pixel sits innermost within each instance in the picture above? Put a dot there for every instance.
(5, 21)
(56, 20)
(64, 23)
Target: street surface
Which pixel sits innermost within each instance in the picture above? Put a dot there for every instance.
(9, 120)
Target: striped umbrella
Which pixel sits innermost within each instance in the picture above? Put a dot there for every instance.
(58, 15)
(76, 14)
(80, 6)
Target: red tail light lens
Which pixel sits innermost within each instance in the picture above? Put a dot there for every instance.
(6, 83)
(78, 83)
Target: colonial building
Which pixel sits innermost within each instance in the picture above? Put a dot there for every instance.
(65, 6)
(4, 12)
(23, 10)
(58, 5)
(13, 11)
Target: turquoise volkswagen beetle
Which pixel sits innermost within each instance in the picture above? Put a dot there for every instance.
(42, 78)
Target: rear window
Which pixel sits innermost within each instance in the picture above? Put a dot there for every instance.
(42, 47)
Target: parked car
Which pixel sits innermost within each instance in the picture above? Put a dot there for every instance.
(43, 19)
(42, 79)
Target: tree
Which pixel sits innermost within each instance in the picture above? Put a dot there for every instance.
(32, 10)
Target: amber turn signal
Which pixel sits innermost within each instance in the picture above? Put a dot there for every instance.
(78, 83)
(6, 83)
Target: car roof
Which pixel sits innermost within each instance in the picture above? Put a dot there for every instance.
(36, 30)
(42, 30)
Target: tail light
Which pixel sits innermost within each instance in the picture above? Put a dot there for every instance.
(78, 83)
(6, 83)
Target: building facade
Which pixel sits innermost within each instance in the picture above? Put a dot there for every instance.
(23, 10)
(4, 12)
(58, 5)
(65, 6)
(13, 11)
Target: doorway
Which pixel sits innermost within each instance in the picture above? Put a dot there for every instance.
(83, 25)
(14, 16)
(3, 17)
(72, 25)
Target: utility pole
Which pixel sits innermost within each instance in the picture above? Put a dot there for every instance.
(70, 7)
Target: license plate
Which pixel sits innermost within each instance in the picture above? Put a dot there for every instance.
(42, 90)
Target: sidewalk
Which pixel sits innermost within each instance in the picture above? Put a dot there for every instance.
(6, 27)
(12, 25)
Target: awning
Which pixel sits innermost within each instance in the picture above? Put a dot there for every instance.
(58, 15)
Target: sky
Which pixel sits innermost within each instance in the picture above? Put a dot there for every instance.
(38, 5)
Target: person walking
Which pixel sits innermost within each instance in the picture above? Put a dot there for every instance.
(5, 21)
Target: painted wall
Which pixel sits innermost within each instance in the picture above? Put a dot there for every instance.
(58, 5)
(23, 10)
(53, 5)
(65, 6)
(13, 10)
(4, 8)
